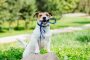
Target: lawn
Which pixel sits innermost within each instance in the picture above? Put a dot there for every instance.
(11, 33)
(71, 21)
(64, 22)
(71, 46)
(74, 45)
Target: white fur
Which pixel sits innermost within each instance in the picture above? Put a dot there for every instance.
(35, 43)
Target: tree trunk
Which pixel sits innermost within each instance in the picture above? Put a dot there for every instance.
(17, 24)
(10, 26)
(0, 26)
(84, 6)
(26, 24)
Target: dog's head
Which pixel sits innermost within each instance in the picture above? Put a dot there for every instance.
(43, 17)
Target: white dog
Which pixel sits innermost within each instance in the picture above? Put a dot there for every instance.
(40, 37)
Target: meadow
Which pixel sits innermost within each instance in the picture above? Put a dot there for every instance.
(16, 18)
(61, 23)
(70, 46)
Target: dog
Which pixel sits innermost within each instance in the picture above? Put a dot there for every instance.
(41, 36)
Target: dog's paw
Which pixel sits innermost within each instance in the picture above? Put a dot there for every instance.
(49, 51)
(37, 51)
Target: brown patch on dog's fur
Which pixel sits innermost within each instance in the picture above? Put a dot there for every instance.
(40, 15)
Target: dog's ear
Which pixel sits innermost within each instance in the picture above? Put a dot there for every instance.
(36, 14)
(50, 14)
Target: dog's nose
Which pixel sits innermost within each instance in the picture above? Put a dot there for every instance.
(44, 18)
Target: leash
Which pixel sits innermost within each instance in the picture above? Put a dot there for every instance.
(54, 20)
(42, 27)
(41, 31)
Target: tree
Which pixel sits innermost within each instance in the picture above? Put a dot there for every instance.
(84, 6)
(27, 11)
(14, 7)
(3, 14)
(57, 6)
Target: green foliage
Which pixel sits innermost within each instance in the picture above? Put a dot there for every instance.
(16, 9)
(28, 9)
(83, 37)
(64, 22)
(71, 48)
(84, 6)
(65, 48)
(11, 54)
(43, 51)
(57, 6)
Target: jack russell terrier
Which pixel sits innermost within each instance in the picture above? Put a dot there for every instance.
(41, 36)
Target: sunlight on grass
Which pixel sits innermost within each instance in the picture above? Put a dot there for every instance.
(64, 45)
(70, 21)
(68, 44)
(11, 33)
(64, 22)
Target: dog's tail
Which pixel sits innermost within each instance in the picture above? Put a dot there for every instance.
(22, 42)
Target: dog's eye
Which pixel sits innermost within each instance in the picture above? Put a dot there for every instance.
(40, 15)
(47, 15)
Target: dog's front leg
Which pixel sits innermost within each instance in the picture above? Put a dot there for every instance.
(30, 48)
(48, 45)
(37, 48)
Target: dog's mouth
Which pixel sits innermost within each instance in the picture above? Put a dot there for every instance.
(44, 22)
(47, 22)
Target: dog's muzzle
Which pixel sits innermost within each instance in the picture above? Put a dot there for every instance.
(45, 20)
(50, 20)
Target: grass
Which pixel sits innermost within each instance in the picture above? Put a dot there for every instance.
(74, 45)
(70, 46)
(64, 22)
(11, 33)
(71, 21)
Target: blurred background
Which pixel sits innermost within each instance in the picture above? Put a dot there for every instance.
(17, 20)
(18, 14)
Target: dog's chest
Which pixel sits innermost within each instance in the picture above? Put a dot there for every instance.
(44, 34)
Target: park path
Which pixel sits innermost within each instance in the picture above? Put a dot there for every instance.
(55, 31)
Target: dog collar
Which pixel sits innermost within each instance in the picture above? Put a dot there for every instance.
(42, 25)
(41, 30)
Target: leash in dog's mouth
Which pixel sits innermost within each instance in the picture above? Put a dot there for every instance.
(54, 20)
(47, 22)
(42, 27)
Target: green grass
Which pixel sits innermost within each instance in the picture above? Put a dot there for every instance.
(71, 21)
(74, 45)
(71, 46)
(64, 22)
(11, 33)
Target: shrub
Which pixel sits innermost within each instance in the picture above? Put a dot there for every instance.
(57, 6)
(65, 45)
(83, 37)
(11, 54)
